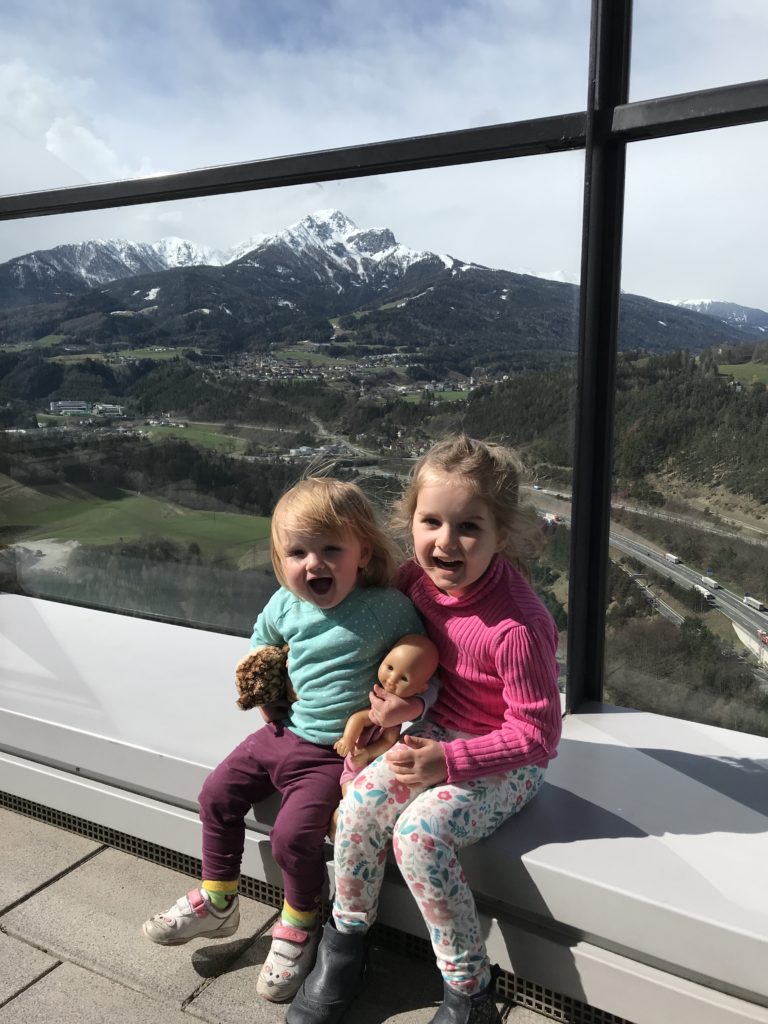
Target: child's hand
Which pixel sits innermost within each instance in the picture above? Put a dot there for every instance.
(387, 709)
(417, 761)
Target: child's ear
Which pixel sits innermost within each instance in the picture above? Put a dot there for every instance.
(502, 536)
(366, 554)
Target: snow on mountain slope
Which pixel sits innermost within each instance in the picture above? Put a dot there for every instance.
(243, 248)
(334, 240)
(178, 252)
(327, 241)
(745, 318)
(326, 246)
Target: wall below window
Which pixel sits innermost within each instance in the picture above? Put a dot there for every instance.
(635, 881)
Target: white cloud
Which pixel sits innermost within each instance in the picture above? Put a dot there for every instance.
(76, 145)
(191, 83)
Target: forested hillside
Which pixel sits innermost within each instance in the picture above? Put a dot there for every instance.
(673, 412)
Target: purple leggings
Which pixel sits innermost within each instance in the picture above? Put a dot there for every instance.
(273, 760)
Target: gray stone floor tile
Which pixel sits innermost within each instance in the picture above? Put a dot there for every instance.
(231, 998)
(20, 965)
(90, 917)
(33, 852)
(93, 918)
(71, 995)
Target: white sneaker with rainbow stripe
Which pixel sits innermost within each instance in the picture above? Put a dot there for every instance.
(190, 917)
(290, 959)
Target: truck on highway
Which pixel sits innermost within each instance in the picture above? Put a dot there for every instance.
(672, 558)
(709, 582)
(752, 602)
(709, 598)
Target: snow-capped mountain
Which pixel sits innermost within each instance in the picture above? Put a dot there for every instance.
(745, 318)
(322, 280)
(243, 248)
(178, 252)
(331, 234)
(330, 247)
(336, 248)
(52, 274)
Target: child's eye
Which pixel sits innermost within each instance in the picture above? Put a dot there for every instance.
(332, 549)
(295, 553)
(469, 527)
(431, 521)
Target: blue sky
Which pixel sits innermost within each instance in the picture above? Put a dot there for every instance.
(92, 91)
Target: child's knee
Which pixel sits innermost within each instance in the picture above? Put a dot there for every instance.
(209, 796)
(291, 845)
(353, 815)
(412, 843)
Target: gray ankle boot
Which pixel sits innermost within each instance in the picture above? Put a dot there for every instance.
(335, 980)
(458, 1008)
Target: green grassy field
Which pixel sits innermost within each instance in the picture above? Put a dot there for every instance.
(66, 513)
(749, 373)
(47, 342)
(52, 418)
(158, 356)
(440, 396)
(204, 434)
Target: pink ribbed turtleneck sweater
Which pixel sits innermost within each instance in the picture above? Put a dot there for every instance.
(498, 670)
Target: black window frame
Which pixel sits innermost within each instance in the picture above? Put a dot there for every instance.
(603, 131)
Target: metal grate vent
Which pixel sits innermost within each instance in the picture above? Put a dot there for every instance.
(253, 888)
(516, 990)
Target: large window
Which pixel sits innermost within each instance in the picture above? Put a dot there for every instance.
(346, 306)
(689, 543)
(695, 44)
(159, 400)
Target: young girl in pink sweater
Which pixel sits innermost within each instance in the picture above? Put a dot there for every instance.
(480, 753)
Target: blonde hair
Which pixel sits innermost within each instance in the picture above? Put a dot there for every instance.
(493, 473)
(325, 505)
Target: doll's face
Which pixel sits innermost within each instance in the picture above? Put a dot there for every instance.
(406, 669)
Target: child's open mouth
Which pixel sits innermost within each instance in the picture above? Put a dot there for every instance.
(321, 585)
(444, 563)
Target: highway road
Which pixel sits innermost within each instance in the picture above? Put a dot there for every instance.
(729, 604)
(749, 534)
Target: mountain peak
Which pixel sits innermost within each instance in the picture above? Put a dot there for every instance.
(326, 226)
(333, 220)
(179, 252)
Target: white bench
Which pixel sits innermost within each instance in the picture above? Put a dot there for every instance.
(636, 881)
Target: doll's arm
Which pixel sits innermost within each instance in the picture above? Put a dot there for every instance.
(352, 730)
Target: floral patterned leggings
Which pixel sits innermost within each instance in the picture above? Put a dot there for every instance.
(427, 828)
